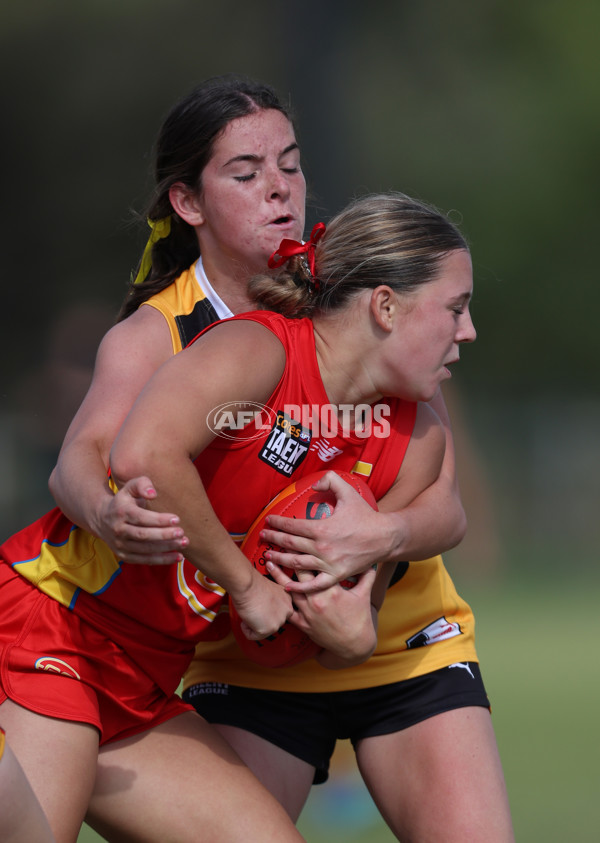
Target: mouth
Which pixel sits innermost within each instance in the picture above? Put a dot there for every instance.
(447, 365)
(282, 221)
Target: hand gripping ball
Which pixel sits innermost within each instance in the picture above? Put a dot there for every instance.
(289, 645)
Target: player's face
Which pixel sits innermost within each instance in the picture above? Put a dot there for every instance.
(436, 321)
(253, 192)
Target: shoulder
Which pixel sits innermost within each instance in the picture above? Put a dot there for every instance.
(181, 292)
(144, 327)
(142, 341)
(233, 361)
(429, 436)
(428, 423)
(248, 335)
(286, 329)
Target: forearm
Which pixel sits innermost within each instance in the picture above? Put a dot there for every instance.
(79, 485)
(180, 489)
(433, 523)
(262, 605)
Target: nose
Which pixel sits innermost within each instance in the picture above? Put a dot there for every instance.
(278, 186)
(466, 332)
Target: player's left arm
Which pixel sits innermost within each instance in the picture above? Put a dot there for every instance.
(434, 521)
(355, 537)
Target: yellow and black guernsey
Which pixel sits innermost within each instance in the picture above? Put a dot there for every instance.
(187, 308)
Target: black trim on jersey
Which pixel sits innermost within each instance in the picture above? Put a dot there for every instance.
(189, 325)
(401, 569)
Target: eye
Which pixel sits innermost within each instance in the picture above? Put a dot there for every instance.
(459, 307)
(290, 170)
(249, 177)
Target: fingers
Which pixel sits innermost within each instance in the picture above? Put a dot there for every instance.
(332, 482)
(145, 539)
(289, 532)
(171, 558)
(140, 487)
(311, 583)
(318, 582)
(127, 527)
(297, 562)
(263, 608)
(250, 634)
(282, 577)
(132, 499)
(140, 535)
(278, 574)
(365, 581)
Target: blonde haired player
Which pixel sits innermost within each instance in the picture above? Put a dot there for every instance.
(387, 288)
(230, 187)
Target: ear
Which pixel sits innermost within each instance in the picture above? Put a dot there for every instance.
(186, 203)
(384, 306)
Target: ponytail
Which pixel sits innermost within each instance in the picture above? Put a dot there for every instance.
(168, 257)
(290, 293)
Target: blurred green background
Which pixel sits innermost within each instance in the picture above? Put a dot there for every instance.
(488, 109)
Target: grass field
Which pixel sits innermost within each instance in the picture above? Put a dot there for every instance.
(538, 650)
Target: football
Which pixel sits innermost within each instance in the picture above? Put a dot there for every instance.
(289, 645)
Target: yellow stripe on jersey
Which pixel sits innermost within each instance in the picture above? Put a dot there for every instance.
(192, 600)
(179, 301)
(363, 468)
(82, 562)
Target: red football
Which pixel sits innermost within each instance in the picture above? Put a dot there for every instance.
(298, 500)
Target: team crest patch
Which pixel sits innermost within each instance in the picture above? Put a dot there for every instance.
(439, 630)
(286, 446)
(50, 664)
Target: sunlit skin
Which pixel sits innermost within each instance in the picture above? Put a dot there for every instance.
(437, 321)
(422, 332)
(252, 196)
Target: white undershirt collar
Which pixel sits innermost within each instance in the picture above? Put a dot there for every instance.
(223, 312)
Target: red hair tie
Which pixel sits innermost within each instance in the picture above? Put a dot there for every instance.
(289, 248)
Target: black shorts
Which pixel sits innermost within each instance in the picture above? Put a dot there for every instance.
(308, 725)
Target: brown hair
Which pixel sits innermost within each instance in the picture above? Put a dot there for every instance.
(183, 149)
(385, 238)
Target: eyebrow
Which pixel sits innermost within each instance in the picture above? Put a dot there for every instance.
(252, 157)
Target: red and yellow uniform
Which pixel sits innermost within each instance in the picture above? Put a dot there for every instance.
(423, 625)
(77, 612)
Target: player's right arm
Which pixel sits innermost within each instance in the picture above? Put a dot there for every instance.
(167, 428)
(128, 356)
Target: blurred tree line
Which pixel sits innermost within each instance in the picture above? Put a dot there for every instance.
(488, 109)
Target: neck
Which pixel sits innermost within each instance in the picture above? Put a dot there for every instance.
(235, 299)
(344, 364)
(230, 286)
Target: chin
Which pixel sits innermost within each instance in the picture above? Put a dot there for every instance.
(428, 395)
